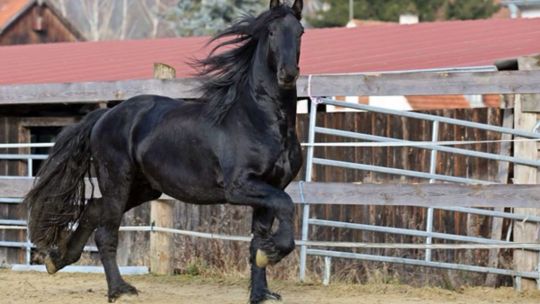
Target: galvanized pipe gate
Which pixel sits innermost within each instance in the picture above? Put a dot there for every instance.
(429, 235)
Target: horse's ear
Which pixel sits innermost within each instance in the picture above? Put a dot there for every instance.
(297, 8)
(274, 3)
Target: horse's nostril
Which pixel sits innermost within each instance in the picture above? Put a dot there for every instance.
(290, 77)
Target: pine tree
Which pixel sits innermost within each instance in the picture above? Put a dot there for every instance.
(390, 10)
(471, 9)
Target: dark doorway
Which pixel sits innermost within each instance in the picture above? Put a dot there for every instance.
(42, 135)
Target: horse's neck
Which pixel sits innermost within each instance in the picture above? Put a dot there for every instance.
(266, 97)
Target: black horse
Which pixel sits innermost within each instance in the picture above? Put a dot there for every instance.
(236, 145)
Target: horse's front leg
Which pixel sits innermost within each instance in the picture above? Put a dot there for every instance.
(272, 248)
(263, 219)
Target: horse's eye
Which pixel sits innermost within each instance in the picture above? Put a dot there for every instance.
(271, 33)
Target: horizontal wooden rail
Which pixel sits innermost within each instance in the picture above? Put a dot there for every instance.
(424, 195)
(421, 83)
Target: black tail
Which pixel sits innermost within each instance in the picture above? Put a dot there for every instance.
(57, 198)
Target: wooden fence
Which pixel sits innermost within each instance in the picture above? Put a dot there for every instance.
(511, 82)
(384, 196)
(195, 217)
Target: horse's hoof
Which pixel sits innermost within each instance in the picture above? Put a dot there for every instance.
(123, 294)
(126, 298)
(272, 298)
(266, 297)
(261, 259)
(49, 265)
(268, 301)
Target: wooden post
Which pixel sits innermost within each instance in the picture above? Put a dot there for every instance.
(161, 215)
(526, 232)
(164, 71)
(502, 177)
(161, 212)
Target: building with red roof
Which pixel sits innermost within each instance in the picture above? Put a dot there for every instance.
(472, 45)
(477, 45)
(34, 21)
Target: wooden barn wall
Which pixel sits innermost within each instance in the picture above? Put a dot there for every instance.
(9, 133)
(22, 31)
(236, 220)
(14, 128)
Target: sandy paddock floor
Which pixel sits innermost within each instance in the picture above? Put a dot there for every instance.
(16, 287)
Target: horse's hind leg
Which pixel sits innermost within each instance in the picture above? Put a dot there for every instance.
(115, 203)
(107, 242)
(58, 258)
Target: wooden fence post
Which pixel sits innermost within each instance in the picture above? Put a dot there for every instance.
(161, 243)
(161, 212)
(526, 118)
(502, 177)
(164, 71)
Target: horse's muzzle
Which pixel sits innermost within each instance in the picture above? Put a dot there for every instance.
(287, 79)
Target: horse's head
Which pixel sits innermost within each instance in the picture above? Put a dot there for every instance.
(260, 51)
(284, 35)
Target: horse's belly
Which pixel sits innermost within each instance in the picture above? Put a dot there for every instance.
(195, 194)
(186, 175)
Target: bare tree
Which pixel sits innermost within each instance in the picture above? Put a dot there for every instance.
(62, 6)
(125, 19)
(98, 14)
(151, 12)
(128, 19)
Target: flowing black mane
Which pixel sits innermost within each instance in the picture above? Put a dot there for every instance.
(225, 74)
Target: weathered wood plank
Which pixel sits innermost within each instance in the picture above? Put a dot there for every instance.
(95, 92)
(507, 82)
(532, 106)
(502, 177)
(418, 194)
(523, 231)
(422, 84)
(424, 195)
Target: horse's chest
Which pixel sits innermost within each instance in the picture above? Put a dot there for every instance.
(285, 165)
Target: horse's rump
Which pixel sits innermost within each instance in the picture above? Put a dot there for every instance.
(57, 199)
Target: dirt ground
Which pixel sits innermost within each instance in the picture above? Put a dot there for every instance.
(87, 288)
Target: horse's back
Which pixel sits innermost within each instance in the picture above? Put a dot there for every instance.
(116, 127)
(167, 142)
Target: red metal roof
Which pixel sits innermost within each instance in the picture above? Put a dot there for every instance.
(337, 50)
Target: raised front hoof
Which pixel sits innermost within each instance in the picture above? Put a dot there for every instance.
(267, 297)
(270, 254)
(123, 292)
(262, 259)
(53, 262)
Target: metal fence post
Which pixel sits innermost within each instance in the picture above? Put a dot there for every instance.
(28, 245)
(29, 166)
(309, 173)
(432, 170)
(327, 270)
